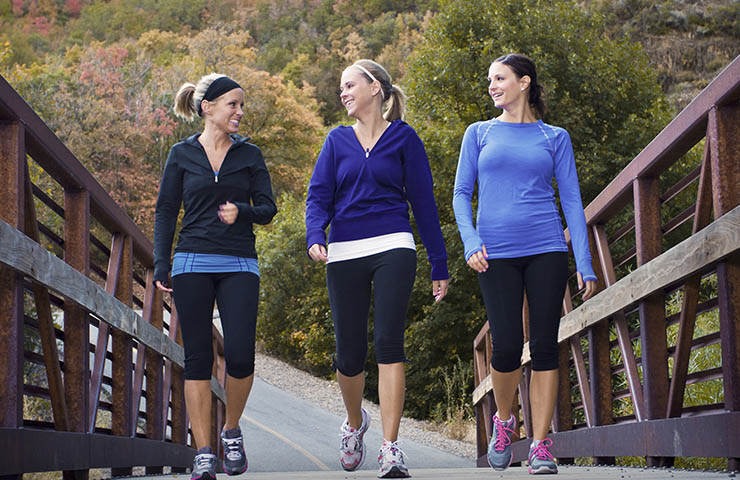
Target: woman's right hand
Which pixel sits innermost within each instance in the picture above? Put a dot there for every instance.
(317, 252)
(477, 261)
(162, 287)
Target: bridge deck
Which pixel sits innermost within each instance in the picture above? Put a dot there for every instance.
(566, 472)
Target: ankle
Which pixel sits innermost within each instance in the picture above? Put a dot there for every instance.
(504, 418)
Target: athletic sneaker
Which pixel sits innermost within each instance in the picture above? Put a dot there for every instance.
(391, 463)
(204, 465)
(540, 458)
(352, 448)
(235, 460)
(499, 448)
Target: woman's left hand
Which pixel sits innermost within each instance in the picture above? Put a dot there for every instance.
(439, 288)
(228, 212)
(590, 287)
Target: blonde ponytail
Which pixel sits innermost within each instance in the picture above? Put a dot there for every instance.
(185, 102)
(396, 109)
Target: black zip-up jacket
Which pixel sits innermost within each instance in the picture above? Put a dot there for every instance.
(188, 179)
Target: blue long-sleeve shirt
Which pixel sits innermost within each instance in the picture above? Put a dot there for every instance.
(514, 164)
(367, 194)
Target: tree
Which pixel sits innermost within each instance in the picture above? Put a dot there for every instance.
(111, 105)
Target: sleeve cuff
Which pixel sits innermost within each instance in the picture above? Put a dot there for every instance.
(439, 270)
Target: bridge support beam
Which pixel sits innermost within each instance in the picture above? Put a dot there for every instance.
(648, 238)
(723, 131)
(76, 318)
(12, 181)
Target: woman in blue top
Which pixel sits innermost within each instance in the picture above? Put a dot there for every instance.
(364, 179)
(517, 244)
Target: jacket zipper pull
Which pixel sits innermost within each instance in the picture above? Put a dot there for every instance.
(215, 177)
(367, 153)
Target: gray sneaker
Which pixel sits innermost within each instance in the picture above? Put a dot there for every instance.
(235, 460)
(540, 458)
(499, 448)
(352, 447)
(204, 465)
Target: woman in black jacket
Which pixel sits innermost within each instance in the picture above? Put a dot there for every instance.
(224, 186)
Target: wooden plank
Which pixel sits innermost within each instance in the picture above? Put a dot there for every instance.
(29, 258)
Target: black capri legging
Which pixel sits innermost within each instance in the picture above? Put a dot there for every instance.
(237, 295)
(391, 275)
(543, 277)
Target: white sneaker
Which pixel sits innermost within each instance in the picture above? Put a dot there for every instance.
(391, 463)
(352, 447)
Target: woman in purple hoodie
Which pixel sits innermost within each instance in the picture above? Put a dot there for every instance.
(365, 178)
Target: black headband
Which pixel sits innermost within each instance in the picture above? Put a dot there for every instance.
(217, 88)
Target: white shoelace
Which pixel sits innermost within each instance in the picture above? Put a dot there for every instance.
(233, 450)
(393, 451)
(204, 460)
(349, 437)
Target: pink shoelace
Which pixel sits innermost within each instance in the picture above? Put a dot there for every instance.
(541, 450)
(502, 438)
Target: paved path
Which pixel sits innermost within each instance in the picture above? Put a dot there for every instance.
(291, 439)
(286, 434)
(566, 473)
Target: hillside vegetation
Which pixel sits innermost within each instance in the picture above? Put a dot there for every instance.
(103, 75)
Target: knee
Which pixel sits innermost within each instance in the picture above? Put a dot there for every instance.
(349, 365)
(506, 359)
(544, 353)
(199, 365)
(240, 364)
(547, 360)
(389, 348)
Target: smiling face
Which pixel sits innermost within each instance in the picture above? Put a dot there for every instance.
(226, 111)
(505, 88)
(357, 93)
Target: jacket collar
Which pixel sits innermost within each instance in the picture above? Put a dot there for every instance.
(193, 139)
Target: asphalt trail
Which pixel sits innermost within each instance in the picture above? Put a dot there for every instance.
(284, 433)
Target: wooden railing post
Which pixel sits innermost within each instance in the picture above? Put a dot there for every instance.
(723, 132)
(12, 180)
(154, 378)
(176, 378)
(76, 319)
(563, 419)
(599, 359)
(648, 238)
(123, 356)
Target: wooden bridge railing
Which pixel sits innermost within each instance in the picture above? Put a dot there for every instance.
(665, 233)
(67, 404)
